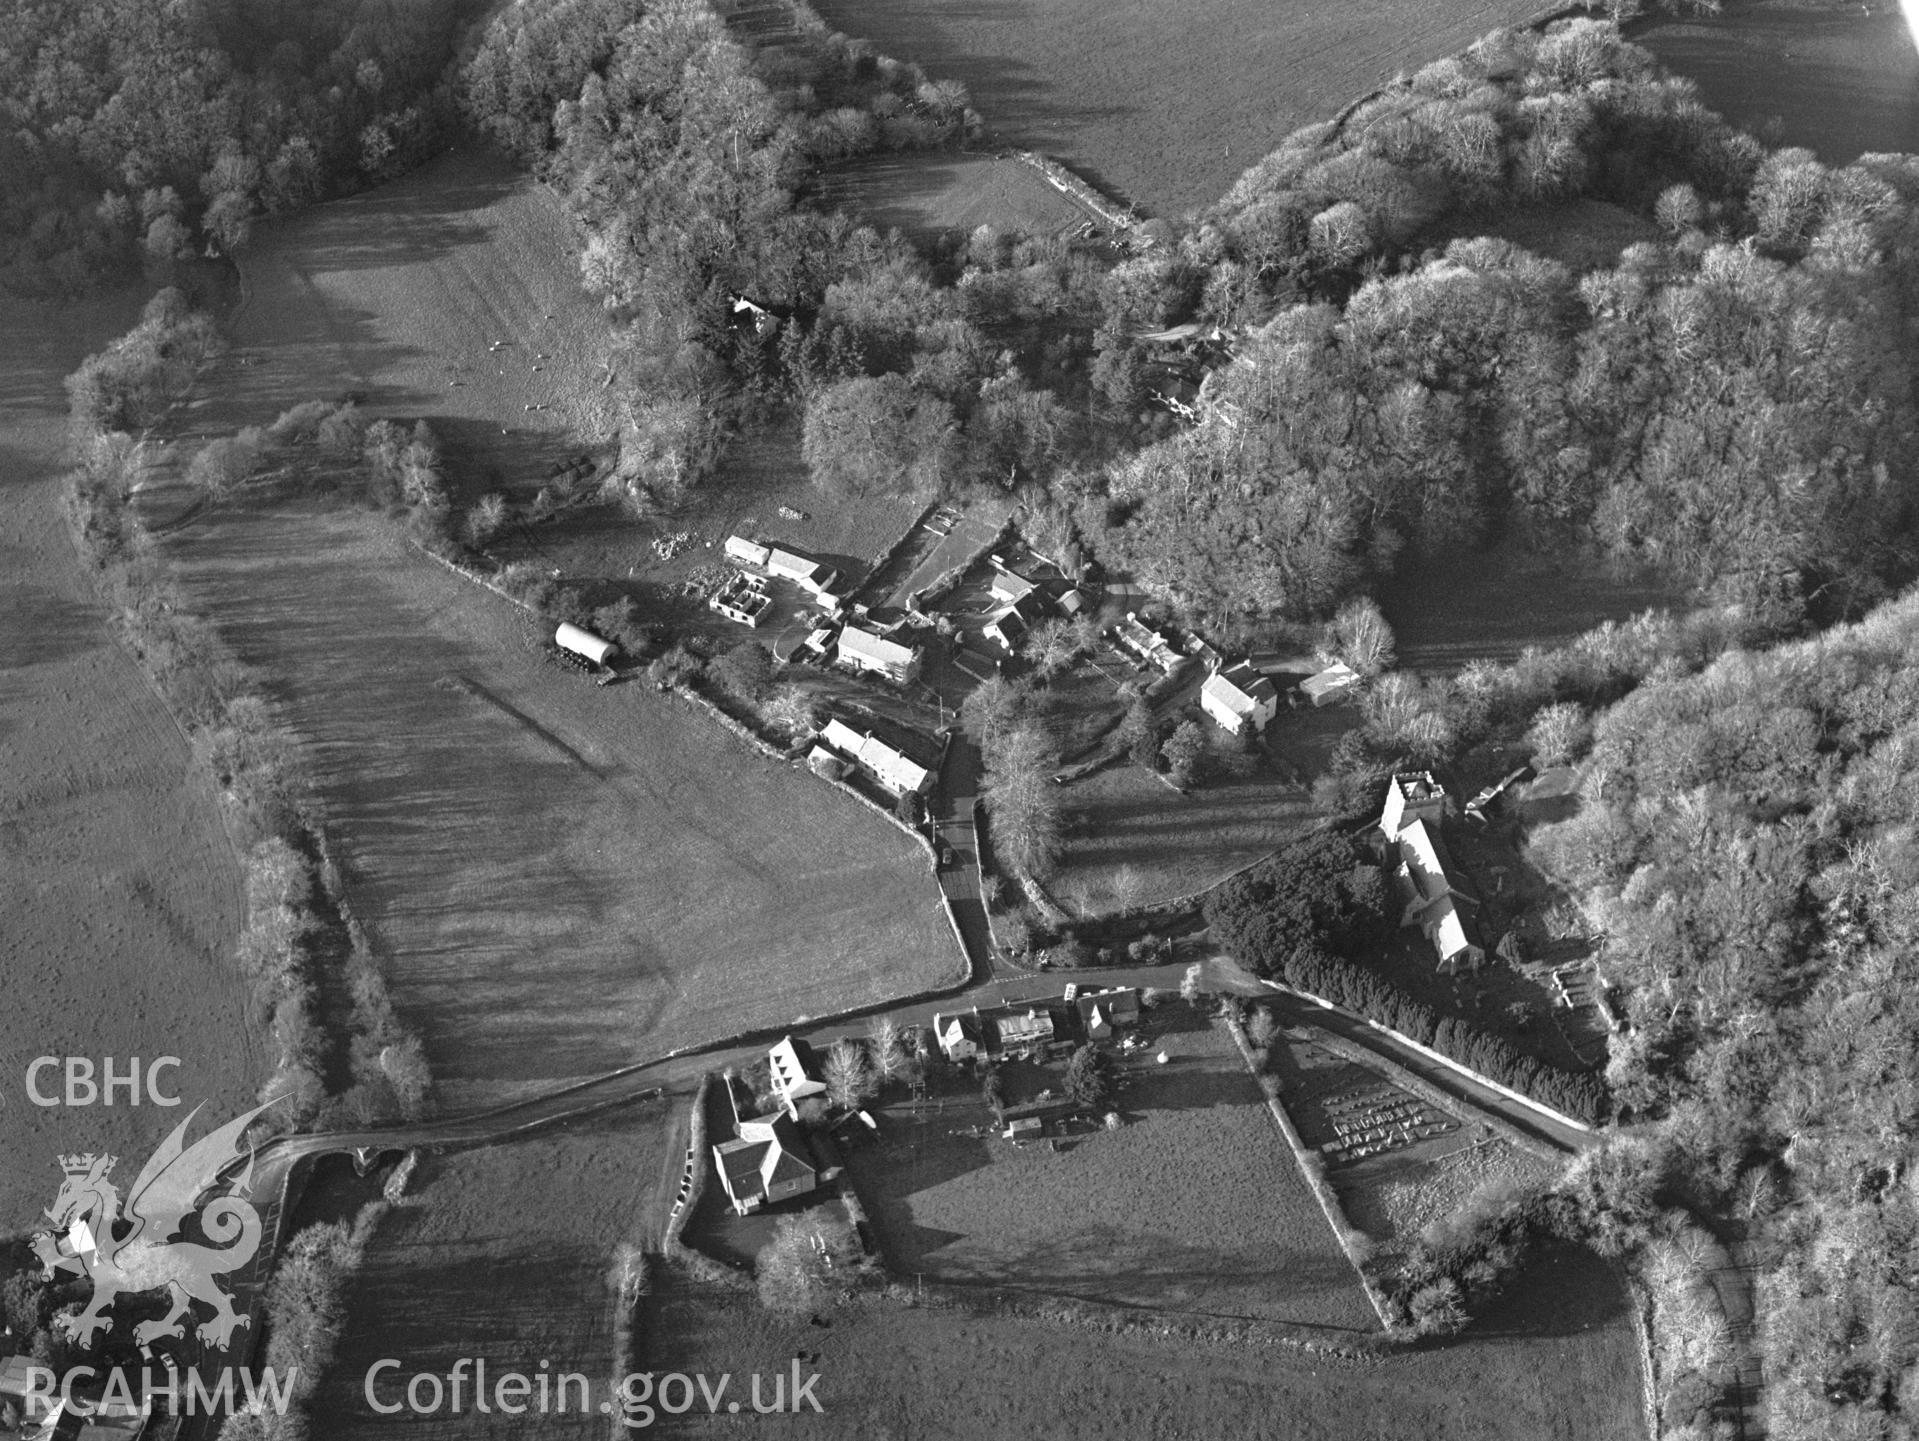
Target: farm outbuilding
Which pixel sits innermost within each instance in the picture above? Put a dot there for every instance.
(813, 576)
(1334, 683)
(745, 551)
(584, 643)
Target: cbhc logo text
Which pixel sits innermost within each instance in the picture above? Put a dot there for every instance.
(82, 1089)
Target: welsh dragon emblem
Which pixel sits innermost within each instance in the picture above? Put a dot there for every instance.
(143, 1250)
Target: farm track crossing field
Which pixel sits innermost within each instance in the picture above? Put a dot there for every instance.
(120, 895)
(563, 878)
(1166, 104)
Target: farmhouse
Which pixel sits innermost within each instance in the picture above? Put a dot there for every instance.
(1008, 588)
(1010, 626)
(1239, 699)
(743, 598)
(891, 767)
(746, 552)
(815, 577)
(867, 652)
(1334, 683)
(795, 1073)
(766, 1162)
(1415, 806)
(1147, 645)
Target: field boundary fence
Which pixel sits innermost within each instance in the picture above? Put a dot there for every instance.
(1120, 216)
(1313, 1171)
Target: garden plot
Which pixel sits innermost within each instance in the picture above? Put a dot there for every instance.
(1192, 1205)
(1133, 838)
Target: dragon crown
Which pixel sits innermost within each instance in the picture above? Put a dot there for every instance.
(83, 1164)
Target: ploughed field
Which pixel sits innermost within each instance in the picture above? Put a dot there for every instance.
(1166, 104)
(560, 879)
(120, 896)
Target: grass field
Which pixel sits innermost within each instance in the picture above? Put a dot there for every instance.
(121, 898)
(561, 878)
(1493, 605)
(502, 1256)
(1555, 1360)
(1135, 839)
(401, 292)
(1167, 105)
(1193, 1205)
(1777, 67)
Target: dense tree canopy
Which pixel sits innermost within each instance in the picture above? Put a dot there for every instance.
(1706, 407)
(1746, 843)
(130, 123)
